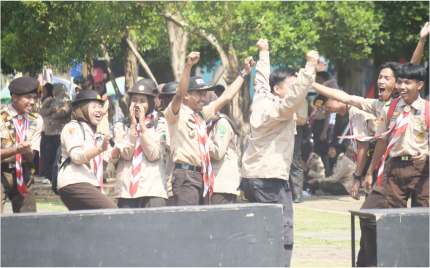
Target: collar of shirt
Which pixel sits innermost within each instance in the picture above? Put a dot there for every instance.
(415, 104)
(191, 112)
(13, 111)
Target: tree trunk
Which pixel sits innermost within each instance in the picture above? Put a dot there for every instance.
(239, 108)
(130, 67)
(350, 80)
(178, 44)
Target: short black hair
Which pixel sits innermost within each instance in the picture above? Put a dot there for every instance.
(278, 76)
(412, 71)
(394, 66)
(324, 75)
(220, 88)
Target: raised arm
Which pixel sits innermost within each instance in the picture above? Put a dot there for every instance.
(193, 58)
(336, 94)
(232, 90)
(418, 53)
(262, 70)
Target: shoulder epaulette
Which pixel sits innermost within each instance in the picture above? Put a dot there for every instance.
(33, 115)
(161, 120)
(387, 103)
(2, 111)
(315, 155)
(221, 115)
(341, 156)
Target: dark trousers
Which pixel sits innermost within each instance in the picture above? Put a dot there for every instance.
(142, 202)
(275, 191)
(223, 198)
(335, 188)
(187, 187)
(321, 147)
(50, 144)
(296, 170)
(404, 179)
(80, 196)
(9, 189)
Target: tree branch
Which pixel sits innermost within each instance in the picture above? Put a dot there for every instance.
(141, 61)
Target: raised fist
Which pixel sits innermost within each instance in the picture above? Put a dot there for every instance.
(263, 45)
(249, 63)
(312, 57)
(425, 31)
(193, 58)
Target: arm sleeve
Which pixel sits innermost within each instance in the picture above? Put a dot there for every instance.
(338, 173)
(107, 156)
(150, 142)
(367, 105)
(119, 134)
(303, 110)
(36, 137)
(262, 72)
(223, 134)
(170, 116)
(74, 143)
(64, 111)
(209, 111)
(285, 109)
(359, 124)
(46, 110)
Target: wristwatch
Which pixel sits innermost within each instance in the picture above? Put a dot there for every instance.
(243, 75)
(356, 176)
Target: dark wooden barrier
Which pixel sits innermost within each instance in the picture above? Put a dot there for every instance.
(227, 235)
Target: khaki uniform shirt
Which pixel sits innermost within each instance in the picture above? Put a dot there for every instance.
(372, 106)
(74, 146)
(184, 141)
(223, 151)
(169, 166)
(316, 167)
(320, 113)
(363, 124)
(103, 127)
(303, 110)
(416, 136)
(152, 180)
(271, 141)
(344, 169)
(54, 121)
(35, 126)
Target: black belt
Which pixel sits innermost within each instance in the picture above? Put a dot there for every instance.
(8, 167)
(403, 158)
(187, 167)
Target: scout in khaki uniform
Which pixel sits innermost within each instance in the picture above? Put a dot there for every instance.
(140, 178)
(267, 160)
(168, 91)
(296, 171)
(80, 178)
(407, 170)
(186, 119)
(20, 137)
(314, 168)
(222, 146)
(340, 183)
(56, 114)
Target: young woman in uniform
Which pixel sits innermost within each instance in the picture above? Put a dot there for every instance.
(80, 179)
(140, 178)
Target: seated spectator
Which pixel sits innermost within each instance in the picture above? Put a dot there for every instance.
(340, 182)
(314, 168)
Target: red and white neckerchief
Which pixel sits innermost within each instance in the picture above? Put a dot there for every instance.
(137, 160)
(400, 127)
(209, 124)
(98, 164)
(204, 156)
(311, 119)
(21, 129)
(310, 159)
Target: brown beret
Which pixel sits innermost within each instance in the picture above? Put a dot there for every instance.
(23, 85)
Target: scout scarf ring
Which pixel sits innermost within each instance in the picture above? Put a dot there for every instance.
(137, 160)
(21, 133)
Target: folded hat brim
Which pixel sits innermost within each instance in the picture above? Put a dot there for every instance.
(87, 99)
(202, 89)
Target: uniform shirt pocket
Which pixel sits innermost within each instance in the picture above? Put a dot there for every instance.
(264, 191)
(419, 134)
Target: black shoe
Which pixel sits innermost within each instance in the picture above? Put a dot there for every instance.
(298, 198)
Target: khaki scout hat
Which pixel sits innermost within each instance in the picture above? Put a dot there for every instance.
(24, 85)
(145, 86)
(87, 95)
(197, 83)
(168, 89)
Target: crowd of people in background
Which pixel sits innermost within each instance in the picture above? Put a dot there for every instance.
(176, 147)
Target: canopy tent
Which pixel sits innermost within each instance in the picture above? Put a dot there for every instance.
(5, 95)
(120, 81)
